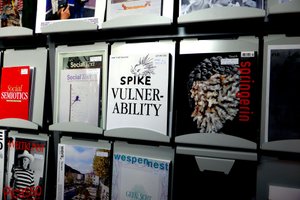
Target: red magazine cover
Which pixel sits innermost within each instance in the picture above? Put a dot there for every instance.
(15, 92)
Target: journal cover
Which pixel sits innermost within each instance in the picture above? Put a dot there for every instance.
(217, 93)
(15, 92)
(55, 11)
(189, 6)
(138, 177)
(26, 166)
(283, 109)
(11, 12)
(2, 160)
(122, 8)
(138, 89)
(80, 89)
(83, 172)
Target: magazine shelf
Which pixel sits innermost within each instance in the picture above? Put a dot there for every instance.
(36, 58)
(220, 14)
(234, 159)
(12, 31)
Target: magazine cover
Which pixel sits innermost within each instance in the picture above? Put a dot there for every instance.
(136, 92)
(80, 98)
(15, 92)
(83, 172)
(189, 6)
(137, 177)
(53, 11)
(283, 108)
(2, 160)
(217, 93)
(20, 13)
(25, 175)
(122, 8)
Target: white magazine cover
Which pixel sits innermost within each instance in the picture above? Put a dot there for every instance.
(138, 89)
(2, 159)
(189, 6)
(83, 171)
(79, 89)
(138, 177)
(55, 11)
(26, 166)
(122, 8)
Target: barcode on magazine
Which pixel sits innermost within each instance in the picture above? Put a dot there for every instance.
(247, 54)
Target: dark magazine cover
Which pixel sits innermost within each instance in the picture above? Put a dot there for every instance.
(216, 93)
(284, 108)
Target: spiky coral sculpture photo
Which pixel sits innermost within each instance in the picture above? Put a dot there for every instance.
(212, 91)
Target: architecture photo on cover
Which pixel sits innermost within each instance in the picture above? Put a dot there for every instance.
(140, 177)
(25, 177)
(83, 172)
(284, 109)
(217, 93)
(69, 9)
(122, 8)
(80, 98)
(189, 6)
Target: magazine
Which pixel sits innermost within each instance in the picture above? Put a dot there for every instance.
(149, 177)
(16, 95)
(283, 108)
(189, 6)
(136, 92)
(26, 166)
(83, 172)
(123, 8)
(80, 98)
(54, 11)
(217, 93)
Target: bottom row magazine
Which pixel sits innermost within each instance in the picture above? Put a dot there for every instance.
(85, 169)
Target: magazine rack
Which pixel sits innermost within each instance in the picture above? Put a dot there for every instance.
(69, 25)
(11, 31)
(192, 47)
(271, 136)
(221, 13)
(140, 20)
(98, 49)
(218, 173)
(36, 58)
(143, 127)
(274, 7)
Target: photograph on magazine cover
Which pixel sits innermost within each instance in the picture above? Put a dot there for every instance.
(283, 106)
(19, 13)
(25, 176)
(189, 6)
(80, 96)
(69, 9)
(217, 93)
(138, 90)
(122, 8)
(149, 177)
(55, 11)
(83, 172)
